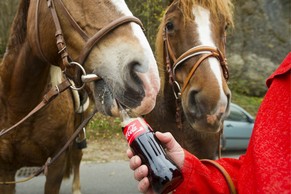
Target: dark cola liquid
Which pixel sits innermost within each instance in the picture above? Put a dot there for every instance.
(164, 175)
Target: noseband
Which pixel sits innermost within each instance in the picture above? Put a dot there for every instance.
(90, 41)
(203, 51)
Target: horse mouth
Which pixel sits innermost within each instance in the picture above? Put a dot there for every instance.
(209, 123)
(203, 126)
(103, 97)
(108, 99)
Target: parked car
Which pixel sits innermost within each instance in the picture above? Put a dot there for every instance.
(238, 127)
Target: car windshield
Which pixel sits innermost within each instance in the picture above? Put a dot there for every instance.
(236, 115)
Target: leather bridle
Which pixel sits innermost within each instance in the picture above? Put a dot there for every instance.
(67, 62)
(172, 62)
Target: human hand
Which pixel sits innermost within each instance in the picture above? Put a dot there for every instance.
(174, 151)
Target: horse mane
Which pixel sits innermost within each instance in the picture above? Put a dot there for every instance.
(18, 28)
(219, 8)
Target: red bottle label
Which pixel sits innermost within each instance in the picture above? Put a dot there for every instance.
(133, 130)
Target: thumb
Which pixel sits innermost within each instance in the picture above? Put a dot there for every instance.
(168, 140)
(173, 148)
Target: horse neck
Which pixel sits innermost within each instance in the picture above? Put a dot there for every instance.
(166, 98)
(24, 80)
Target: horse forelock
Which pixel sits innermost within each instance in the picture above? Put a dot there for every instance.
(219, 8)
(18, 28)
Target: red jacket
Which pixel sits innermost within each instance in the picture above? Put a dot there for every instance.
(266, 166)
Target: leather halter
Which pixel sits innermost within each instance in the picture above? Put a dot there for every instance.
(90, 41)
(202, 50)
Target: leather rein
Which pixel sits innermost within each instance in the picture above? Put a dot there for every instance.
(67, 62)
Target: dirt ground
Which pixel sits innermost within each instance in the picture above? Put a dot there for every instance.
(105, 150)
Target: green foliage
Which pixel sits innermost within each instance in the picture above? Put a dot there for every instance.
(7, 12)
(150, 13)
(249, 103)
(104, 127)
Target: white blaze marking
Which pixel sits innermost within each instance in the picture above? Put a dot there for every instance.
(137, 31)
(202, 20)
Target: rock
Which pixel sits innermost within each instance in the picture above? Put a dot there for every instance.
(258, 43)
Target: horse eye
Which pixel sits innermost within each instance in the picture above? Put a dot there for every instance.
(226, 26)
(170, 26)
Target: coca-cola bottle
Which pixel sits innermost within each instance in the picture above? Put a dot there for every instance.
(164, 175)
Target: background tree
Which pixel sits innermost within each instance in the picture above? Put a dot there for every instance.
(7, 12)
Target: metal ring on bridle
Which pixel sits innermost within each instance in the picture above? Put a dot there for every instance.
(176, 90)
(84, 73)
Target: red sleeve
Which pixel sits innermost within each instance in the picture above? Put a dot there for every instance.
(205, 178)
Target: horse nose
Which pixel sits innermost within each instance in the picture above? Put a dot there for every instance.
(137, 67)
(133, 83)
(195, 106)
(203, 103)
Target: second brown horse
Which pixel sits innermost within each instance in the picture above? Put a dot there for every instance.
(194, 97)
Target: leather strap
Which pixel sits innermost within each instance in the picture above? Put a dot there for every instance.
(48, 97)
(227, 177)
(195, 66)
(62, 48)
(72, 21)
(104, 31)
(50, 160)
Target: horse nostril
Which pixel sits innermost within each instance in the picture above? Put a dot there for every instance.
(193, 94)
(137, 67)
(193, 102)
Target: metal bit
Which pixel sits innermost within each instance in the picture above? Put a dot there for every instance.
(90, 77)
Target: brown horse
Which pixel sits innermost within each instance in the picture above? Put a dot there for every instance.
(194, 97)
(99, 37)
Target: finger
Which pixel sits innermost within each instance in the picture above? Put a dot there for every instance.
(134, 162)
(141, 172)
(129, 153)
(143, 185)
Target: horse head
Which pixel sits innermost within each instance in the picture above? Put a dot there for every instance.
(191, 51)
(100, 38)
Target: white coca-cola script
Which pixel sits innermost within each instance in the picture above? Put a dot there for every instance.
(133, 130)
